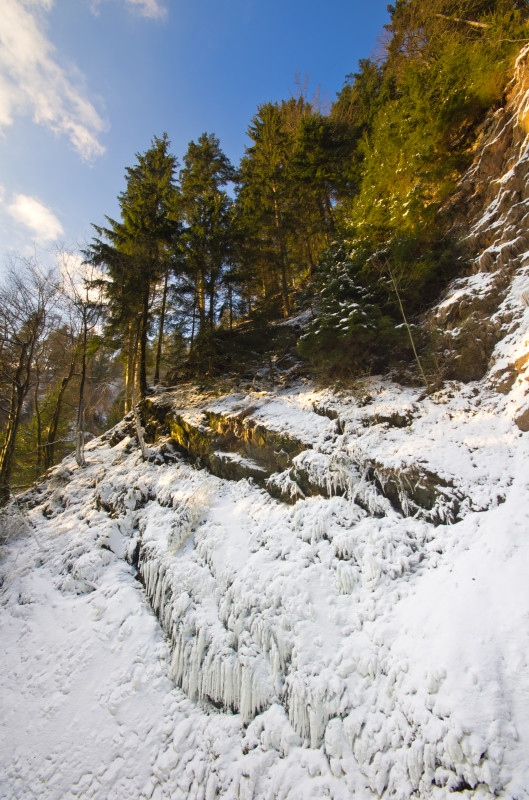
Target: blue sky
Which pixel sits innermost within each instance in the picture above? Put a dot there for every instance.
(86, 84)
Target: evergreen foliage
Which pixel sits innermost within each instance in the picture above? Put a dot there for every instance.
(414, 117)
(351, 321)
(207, 211)
(265, 200)
(139, 250)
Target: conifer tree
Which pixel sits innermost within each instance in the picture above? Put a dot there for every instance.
(207, 214)
(265, 199)
(138, 250)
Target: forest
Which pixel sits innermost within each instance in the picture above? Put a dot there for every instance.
(341, 212)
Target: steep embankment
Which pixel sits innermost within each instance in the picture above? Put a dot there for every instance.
(340, 577)
(491, 218)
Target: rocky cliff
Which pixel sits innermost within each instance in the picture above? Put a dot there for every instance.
(490, 213)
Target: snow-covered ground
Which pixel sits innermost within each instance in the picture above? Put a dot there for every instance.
(309, 650)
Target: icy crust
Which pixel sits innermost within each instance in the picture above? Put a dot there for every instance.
(272, 409)
(359, 704)
(387, 444)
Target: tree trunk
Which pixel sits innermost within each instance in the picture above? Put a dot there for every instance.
(201, 299)
(79, 432)
(129, 370)
(470, 22)
(160, 330)
(49, 449)
(139, 430)
(310, 257)
(282, 259)
(18, 394)
(38, 416)
(143, 345)
(284, 286)
(194, 323)
(330, 214)
(211, 314)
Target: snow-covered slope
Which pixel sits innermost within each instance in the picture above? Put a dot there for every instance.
(303, 593)
(320, 649)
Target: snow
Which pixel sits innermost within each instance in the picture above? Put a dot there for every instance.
(169, 634)
(324, 648)
(266, 406)
(477, 285)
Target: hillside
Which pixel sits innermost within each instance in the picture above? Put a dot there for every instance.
(304, 591)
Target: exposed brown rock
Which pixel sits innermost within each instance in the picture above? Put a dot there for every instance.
(491, 218)
(522, 417)
(521, 363)
(504, 380)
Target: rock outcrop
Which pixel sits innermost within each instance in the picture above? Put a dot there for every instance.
(491, 218)
(233, 437)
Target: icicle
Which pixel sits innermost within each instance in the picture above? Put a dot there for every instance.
(346, 577)
(206, 667)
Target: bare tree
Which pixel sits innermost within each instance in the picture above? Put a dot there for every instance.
(27, 299)
(66, 343)
(85, 307)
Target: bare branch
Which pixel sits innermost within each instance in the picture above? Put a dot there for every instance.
(465, 21)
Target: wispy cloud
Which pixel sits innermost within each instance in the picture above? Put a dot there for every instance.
(32, 79)
(152, 9)
(149, 8)
(33, 214)
(45, 4)
(76, 275)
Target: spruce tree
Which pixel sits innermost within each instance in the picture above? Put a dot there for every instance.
(207, 215)
(265, 197)
(138, 251)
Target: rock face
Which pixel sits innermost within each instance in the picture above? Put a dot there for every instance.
(232, 437)
(491, 206)
(232, 445)
(522, 418)
(491, 213)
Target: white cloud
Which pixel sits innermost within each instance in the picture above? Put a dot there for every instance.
(45, 4)
(153, 9)
(34, 215)
(149, 8)
(76, 274)
(31, 78)
(70, 265)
